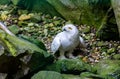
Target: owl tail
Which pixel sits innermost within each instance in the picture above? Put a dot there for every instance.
(82, 42)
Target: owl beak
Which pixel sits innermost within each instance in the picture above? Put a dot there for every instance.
(63, 29)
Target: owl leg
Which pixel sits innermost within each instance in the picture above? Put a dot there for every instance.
(70, 55)
(62, 55)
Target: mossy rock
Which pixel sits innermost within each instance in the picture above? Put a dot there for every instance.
(47, 75)
(70, 76)
(70, 66)
(38, 62)
(109, 69)
(89, 75)
(54, 75)
(21, 47)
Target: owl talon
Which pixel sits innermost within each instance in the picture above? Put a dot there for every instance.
(71, 56)
(62, 57)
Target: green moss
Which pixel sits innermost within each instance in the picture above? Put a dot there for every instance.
(47, 75)
(70, 76)
(74, 66)
(109, 68)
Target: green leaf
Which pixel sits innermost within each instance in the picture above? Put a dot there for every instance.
(14, 29)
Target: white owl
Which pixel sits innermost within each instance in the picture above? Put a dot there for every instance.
(67, 41)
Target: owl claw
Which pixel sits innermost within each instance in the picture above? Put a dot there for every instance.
(62, 57)
(71, 56)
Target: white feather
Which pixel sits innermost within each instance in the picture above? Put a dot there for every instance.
(55, 44)
(82, 43)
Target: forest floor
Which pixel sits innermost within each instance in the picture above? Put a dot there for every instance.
(44, 27)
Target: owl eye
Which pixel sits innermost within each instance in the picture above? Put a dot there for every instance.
(70, 28)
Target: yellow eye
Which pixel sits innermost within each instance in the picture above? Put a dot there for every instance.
(70, 28)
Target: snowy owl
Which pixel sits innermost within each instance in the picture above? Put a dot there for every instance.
(67, 41)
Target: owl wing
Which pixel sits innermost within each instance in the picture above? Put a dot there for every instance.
(82, 43)
(55, 44)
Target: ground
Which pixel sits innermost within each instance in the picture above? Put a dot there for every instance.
(44, 27)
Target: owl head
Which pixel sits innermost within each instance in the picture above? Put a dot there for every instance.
(70, 28)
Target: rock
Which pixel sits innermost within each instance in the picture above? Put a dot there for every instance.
(70, 76)
(54, 75)
(108, 69)
(47, 75)
(88, 75)
(24, 45)
(35, 41)
(71, 66)
(38, 61)
(9, 64)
